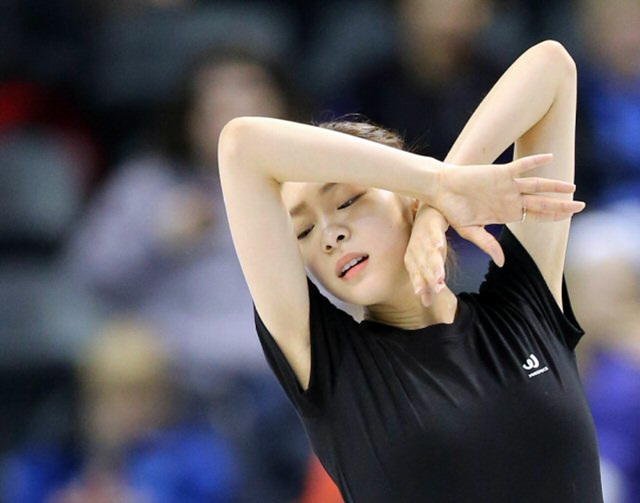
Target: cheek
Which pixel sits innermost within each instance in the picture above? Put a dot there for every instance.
(387, 236)
(384, 235)
(311, 259)
(311, 266)
(392, 251)
(386, 241)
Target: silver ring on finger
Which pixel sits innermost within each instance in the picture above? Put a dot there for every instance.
(524, 213)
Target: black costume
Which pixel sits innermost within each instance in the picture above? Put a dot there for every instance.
(489, 408)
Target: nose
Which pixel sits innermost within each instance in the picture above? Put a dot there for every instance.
(333, 234)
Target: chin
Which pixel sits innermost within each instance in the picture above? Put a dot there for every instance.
(376, 286)
(368, 292)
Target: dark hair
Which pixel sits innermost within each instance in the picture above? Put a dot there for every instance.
(171, 131)
(365, 129)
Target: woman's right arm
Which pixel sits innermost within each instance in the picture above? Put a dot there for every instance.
(257, 155)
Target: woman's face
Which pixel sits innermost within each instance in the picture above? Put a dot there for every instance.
(352, 238)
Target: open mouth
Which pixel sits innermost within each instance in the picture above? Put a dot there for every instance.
(354, 262)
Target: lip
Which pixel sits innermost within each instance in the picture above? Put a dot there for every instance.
(347, 258)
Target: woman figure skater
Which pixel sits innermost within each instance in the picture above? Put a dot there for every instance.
(434, 397)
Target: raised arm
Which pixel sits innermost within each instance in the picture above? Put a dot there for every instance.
(533, 104)
(257, 155)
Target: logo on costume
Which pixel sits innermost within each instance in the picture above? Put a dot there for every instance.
(533, 363)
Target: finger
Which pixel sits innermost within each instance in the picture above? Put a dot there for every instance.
(421, 288)
(430, 268)
(426, 254)
(426, 271)
(427, 298)
(429, 261)
(412, 268)
(434, 271)
(439, 253)
(547, 217)
(526, 163)
(479, 236)
(534, 185)
(550, 205)
(421, 266)
(419, 285)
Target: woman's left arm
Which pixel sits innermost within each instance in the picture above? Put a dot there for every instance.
(534, 105)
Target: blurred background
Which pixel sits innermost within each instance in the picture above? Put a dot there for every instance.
(129, 367)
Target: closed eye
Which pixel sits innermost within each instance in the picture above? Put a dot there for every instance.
(350, 201)
(305, 232)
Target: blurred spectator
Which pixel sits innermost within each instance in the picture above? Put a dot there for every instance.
(156, 242)
(437, 76)
(609, 150)
(131, 446)
(142, 48)
(603, 266)
(46, 164)
(42, 312)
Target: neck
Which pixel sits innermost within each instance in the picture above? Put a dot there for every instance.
(410, 314)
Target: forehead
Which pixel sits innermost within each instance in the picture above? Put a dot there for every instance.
(294, 193)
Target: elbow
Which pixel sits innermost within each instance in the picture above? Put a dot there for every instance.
(557, 56)
(231, 140)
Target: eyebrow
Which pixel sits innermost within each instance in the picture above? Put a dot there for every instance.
(327, 187)
(298, 208)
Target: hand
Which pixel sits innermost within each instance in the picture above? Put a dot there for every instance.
(427, 253)
(486, 194)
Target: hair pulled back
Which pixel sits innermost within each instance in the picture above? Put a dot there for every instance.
(356, 125)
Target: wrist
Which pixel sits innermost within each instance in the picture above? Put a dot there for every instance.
(430, 192)
(439, 185)
(425, 211)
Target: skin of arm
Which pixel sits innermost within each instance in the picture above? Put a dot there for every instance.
(533, 104)
(257, 155)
